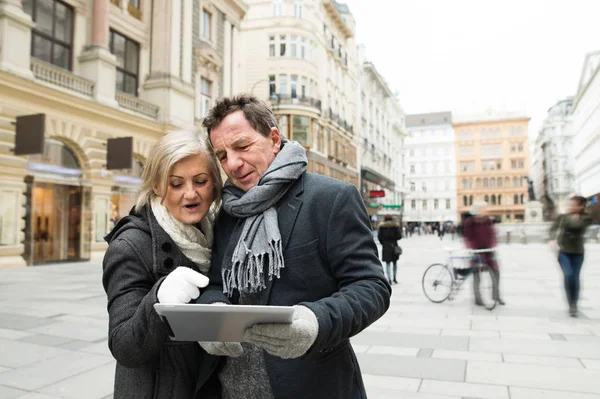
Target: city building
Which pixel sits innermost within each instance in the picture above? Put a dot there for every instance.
(380, 142)
(586, 129)
(492, 160)
(553, 164)
(430, 169)
(301, 57)
(96, 71)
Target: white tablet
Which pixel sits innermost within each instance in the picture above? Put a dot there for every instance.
(223, 323)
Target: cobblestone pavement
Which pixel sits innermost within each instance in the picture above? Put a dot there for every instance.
(53, 328)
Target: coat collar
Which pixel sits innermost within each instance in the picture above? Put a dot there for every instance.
(166, 256)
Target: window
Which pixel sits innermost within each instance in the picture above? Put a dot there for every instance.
(513, 163)
(520, 148)
(271, 46)
(513, 147)
(127, 52)
(470, 183)
(294, 85)
(522, 181)
(283, 91)
(424, 205)
(499, 182)
(298, 9)
(515, 199)
(487, 199)
(135, 3)
(303, 88)
(303, 48)
(206, 25)
(205, 96)
(522, 198)
(465, 200)
(500, 199)
(493, 199)
(424, 187)
(52, 37)
(301, 130)
(464, 183)
(277, 8)
(521, 163)
(293, 45)
(492, 183)
(499, 164)
(515, 181)
(447, 204)
(282, 40)
(412, 186)
(272, 86)
(478, 183)
(413, 204)
(436, 204)
(283, 125)
(470, 200)
(485, 183)
(412, 169)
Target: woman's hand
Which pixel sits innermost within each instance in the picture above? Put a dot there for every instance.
(181, 286)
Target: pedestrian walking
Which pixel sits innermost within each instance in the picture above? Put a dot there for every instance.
(479, 233)
(161, 252)
(567, 233)
(291, 238)
(388, 235)
(441, 231)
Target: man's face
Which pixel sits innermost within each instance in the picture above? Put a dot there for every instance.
(575, 207)
(244, 153)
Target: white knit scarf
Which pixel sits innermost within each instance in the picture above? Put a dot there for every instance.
(193, 243)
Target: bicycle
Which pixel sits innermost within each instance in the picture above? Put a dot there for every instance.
(444, 281)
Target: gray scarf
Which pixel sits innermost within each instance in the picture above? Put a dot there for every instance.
(260, 240)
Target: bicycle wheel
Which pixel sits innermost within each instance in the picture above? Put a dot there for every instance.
(437, 283)
(487, 282)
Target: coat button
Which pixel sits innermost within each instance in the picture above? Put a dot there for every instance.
(168, 263)
(166, 247)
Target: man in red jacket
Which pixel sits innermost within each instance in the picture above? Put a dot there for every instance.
(479, 233)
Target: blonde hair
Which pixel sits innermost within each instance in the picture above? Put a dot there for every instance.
(477, 207)
(170, 149)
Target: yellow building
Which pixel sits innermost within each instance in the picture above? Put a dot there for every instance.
(492, 155)
(97, 70)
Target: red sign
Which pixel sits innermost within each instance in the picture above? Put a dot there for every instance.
(376, 194)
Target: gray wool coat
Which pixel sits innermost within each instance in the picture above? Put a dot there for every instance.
(149, 364)
(331, 266)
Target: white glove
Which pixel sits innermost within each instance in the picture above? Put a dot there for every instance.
(231, 349)
(287, 341)
(181, 286)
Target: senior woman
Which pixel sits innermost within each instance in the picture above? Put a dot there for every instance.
(161, 253)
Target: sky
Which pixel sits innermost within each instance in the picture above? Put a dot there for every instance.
(471, 55)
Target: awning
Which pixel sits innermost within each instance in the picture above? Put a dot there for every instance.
(377, 178)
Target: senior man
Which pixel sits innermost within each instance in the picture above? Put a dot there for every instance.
(291, 238)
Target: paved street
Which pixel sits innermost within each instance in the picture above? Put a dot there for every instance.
(53, 334)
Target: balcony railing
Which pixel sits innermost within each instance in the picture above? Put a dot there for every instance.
(341, 122)
(135, 104)
(61, 77)
(287, 99)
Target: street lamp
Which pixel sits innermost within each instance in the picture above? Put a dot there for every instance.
(257, 82)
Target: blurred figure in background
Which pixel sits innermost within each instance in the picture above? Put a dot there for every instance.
(389, 234)
(567, 233)
(479, 233)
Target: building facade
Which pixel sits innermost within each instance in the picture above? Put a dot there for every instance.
(492, 161)
(301, 57)
(380, 142)
(553, 162)
(430, 169)
(586, 129)
(96, 70)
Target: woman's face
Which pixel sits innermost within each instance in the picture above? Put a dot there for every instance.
(575, 207)
(190, 190)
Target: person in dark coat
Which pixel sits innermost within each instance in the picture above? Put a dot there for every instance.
(568, 231)
(291, 238)
(479, 233)
(161, 252)
(388, 235)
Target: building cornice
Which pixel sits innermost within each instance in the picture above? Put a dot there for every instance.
(335, 15)
(368, 66)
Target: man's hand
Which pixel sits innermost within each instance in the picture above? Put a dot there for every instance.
(554, 245)
(181, 286)
(287, 341)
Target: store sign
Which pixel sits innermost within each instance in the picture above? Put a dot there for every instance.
(29, 134)
(119, 153)
(376, 194)
(395, 206)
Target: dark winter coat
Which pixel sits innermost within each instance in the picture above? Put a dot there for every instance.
(149, 364)
(569, 233)
(388, 234)
(479, 233)
(331, 266)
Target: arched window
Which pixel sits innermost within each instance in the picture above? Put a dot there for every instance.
(464, 183)
(478, 183)
(499, 199)
(465, 202)
(515, 181)
(522, 181)
(506, 182)
(470, 200)
(487, 199)
(470, 183)
(522, 198)
(493, 199)
(499, 182)
(485, 182)
(492, 183)
(516, 199)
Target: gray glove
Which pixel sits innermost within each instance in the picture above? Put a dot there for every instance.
(231, 349)
(287, 341)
